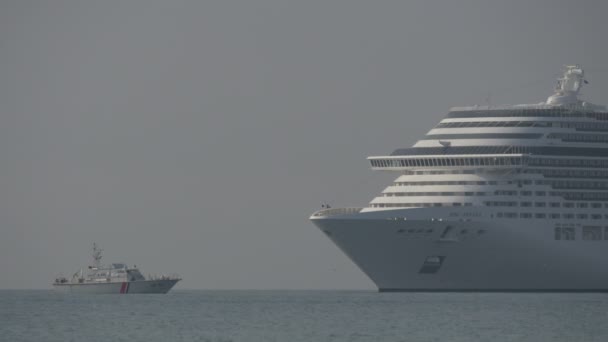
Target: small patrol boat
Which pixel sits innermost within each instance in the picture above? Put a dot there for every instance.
(113, 278)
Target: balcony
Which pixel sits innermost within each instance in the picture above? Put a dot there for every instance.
(400, 163)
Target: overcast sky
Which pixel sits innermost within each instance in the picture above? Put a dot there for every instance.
(196, 137)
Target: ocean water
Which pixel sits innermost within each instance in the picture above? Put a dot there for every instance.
(303, 316)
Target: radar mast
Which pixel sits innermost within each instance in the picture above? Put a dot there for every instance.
(97, 255)
(568, 86)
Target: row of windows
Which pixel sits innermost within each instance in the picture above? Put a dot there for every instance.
(594, 233)
(565, 233)
(506, 192)
(494, 124)
(549, 173)
(583, 126)
(521, 182)
(483, 136)
(589, 233)
(577, 185)
(581, 196)
(521, 193)
(504, 149)
(511, 215)
(563, 162)
(489, 161)
(445, 183)
(571, 137)
(562, 113)
(424, 162)
(467, 193)
(443, 193)
(439, 172)
(500, 204)
(559, 184)
(554, 216)
(420, 205)
(526, 204)
(580, 205)
(574, 195)
(561, 173)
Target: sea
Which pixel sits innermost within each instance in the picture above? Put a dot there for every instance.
(292, 316)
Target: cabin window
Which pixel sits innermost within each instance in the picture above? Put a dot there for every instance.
(564, 233)
(592, 233)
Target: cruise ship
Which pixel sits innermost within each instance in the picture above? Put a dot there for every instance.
(494, 198)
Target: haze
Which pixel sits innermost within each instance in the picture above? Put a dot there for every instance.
(196, 137)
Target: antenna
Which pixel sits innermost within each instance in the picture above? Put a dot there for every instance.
(96, 254)
(489, 99)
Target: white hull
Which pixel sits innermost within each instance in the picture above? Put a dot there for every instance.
(493, 198)
(137, 287)
(508, 255)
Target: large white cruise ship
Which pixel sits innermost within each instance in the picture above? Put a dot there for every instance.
(494, 198)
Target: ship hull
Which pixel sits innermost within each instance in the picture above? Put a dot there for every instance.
(160, 286)
(488, 255)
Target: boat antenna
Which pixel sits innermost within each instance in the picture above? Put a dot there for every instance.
(97, 255)
(489, 99)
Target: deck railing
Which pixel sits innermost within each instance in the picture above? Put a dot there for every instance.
(336, 211)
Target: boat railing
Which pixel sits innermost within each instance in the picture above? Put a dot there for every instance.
(173, 276)
(336, 211)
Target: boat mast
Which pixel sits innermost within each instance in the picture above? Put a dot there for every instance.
(97, 255)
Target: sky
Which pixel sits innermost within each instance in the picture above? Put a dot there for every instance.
(197, 137)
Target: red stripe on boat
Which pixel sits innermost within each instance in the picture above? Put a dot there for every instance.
(123, 287)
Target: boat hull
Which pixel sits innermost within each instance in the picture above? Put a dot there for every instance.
(487, 255)
(160, 286)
